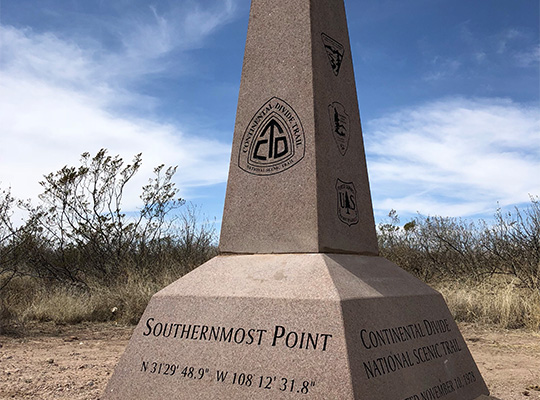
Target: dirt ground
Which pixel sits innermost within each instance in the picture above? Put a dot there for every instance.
(75, 362)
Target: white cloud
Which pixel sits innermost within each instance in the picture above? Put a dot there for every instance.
(45, 57)
(45, 128)
(83, 63)
(58, 96)
(184, 27)
(519, 46)
(528, 58)
(454, 157)
(445, 68)
(507, 37)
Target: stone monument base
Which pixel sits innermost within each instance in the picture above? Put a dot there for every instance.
(298, 326)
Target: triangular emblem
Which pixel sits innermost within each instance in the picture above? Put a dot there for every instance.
(335, 51)
(339, 120)
(273, 141)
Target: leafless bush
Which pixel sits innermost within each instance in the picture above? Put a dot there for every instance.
(439, 248)
(8, 263)
(78, 230)
(79, 255)
(514, 242)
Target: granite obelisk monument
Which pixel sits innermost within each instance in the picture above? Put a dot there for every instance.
(298, 305)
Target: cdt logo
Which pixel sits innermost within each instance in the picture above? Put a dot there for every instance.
(272, 143)
(346, 202)
(274, 140)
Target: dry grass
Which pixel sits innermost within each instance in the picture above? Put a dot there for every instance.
(499, 302)
(26, 300)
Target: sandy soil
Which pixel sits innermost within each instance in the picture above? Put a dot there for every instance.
(75, 362)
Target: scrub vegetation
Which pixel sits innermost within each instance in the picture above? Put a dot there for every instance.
(79, 257)
(488, 272)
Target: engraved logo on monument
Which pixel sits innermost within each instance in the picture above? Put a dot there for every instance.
(339, 121)
(274, 140)
(335, 51)
(346, 202)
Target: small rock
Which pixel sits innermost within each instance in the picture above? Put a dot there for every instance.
(11, 371)
(50, 360)
(526, 393)
(90, 383)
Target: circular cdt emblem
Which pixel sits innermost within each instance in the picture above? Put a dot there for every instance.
(274, 140)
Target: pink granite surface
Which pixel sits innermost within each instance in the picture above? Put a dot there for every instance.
(299, 306)
(339, 326)
(321, 202)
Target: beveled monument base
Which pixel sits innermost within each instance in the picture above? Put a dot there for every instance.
(297, 326)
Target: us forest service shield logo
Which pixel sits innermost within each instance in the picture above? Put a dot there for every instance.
(274, 140)
(339, 120)
(335, 52)
(346, 202)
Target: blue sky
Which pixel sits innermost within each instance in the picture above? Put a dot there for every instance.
(449, 94)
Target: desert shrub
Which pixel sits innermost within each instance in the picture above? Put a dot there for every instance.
(8, 262)
(488, 272)
(79, 255)
(79, 229)
(514, 243)
(440, 248)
